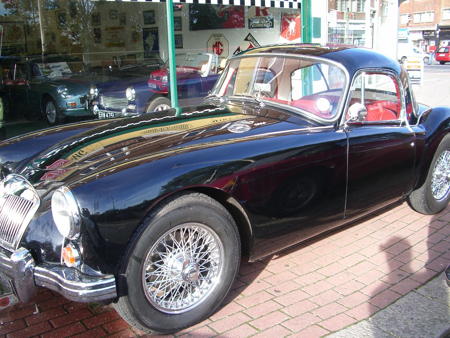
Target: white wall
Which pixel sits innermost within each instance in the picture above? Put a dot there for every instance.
(386, 28)
(197, 40)
(319, 9)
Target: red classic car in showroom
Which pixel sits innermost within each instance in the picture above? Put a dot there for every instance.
(154, 213)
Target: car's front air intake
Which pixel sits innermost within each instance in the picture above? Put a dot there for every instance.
(18, 203)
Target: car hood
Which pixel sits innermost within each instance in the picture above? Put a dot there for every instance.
(129, 142)
(78, 82)
(117, 86)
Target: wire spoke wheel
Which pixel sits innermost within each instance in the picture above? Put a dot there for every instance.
(162, 107)
(440, 181)
(182, 268)
(50, 112)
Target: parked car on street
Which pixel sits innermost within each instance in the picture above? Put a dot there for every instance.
(406, 51)
(196, 75)
(154, 213)
(442, 55)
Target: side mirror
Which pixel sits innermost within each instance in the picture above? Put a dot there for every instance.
(357, 112)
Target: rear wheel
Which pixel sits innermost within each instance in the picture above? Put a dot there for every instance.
(441, 62)
(159, 104)
(433, 196)
(182, 265)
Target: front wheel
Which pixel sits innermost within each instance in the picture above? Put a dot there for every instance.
(159, 104)
(182, 265)
(51, 112)
(433, 196)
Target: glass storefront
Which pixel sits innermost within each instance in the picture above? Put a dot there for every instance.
(64, 61)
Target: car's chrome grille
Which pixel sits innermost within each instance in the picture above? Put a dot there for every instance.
(14, 211)
(113, 102)
(18, 204)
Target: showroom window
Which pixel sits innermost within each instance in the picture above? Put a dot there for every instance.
(91, 59)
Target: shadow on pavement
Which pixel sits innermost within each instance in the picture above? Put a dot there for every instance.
(412, 262)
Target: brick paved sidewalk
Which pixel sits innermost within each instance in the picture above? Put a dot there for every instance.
(309, 291)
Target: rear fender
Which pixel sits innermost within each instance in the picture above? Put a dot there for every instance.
(434, 125)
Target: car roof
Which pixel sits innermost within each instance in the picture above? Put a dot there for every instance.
(351, 57)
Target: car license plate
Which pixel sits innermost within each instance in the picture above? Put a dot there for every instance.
(441, 54)
(106, 115)
(151, 85)
(414, 74)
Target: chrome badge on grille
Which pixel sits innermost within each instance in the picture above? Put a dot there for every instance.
(18, 203)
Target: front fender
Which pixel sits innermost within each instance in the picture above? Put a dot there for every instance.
(113, 206)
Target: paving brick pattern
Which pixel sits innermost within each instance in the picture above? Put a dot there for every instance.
(308, 291)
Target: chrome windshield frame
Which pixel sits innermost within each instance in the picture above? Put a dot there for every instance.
(299, 111)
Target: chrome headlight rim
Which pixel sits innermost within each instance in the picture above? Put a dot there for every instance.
(93, 91)
(65, 212)
(130, 94)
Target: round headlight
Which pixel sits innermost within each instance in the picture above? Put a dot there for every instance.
(130, 93)
(93, 91)
(65, 213)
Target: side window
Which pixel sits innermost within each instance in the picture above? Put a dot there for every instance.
(380, 95)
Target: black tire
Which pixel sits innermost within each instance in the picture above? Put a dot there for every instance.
(158, 104)
(422, 199)
(442, 62)
(189, 209)
(426, 59)
(50, 111)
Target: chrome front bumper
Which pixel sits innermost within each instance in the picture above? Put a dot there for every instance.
(25, 275)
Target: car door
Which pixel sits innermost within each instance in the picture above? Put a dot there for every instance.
(381, 151)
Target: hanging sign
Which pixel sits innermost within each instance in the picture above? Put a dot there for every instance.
(249, 42)
(218, 44)
(259, 17)
(290, 26)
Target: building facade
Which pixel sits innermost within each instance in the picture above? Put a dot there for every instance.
(426, 24)
(367, 23)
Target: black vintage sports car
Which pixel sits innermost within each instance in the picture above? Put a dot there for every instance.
(155, 212)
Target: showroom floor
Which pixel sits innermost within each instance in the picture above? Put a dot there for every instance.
(311, 290)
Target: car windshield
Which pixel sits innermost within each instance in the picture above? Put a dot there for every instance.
(309, 86)
(57, 69)
(194, 61)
